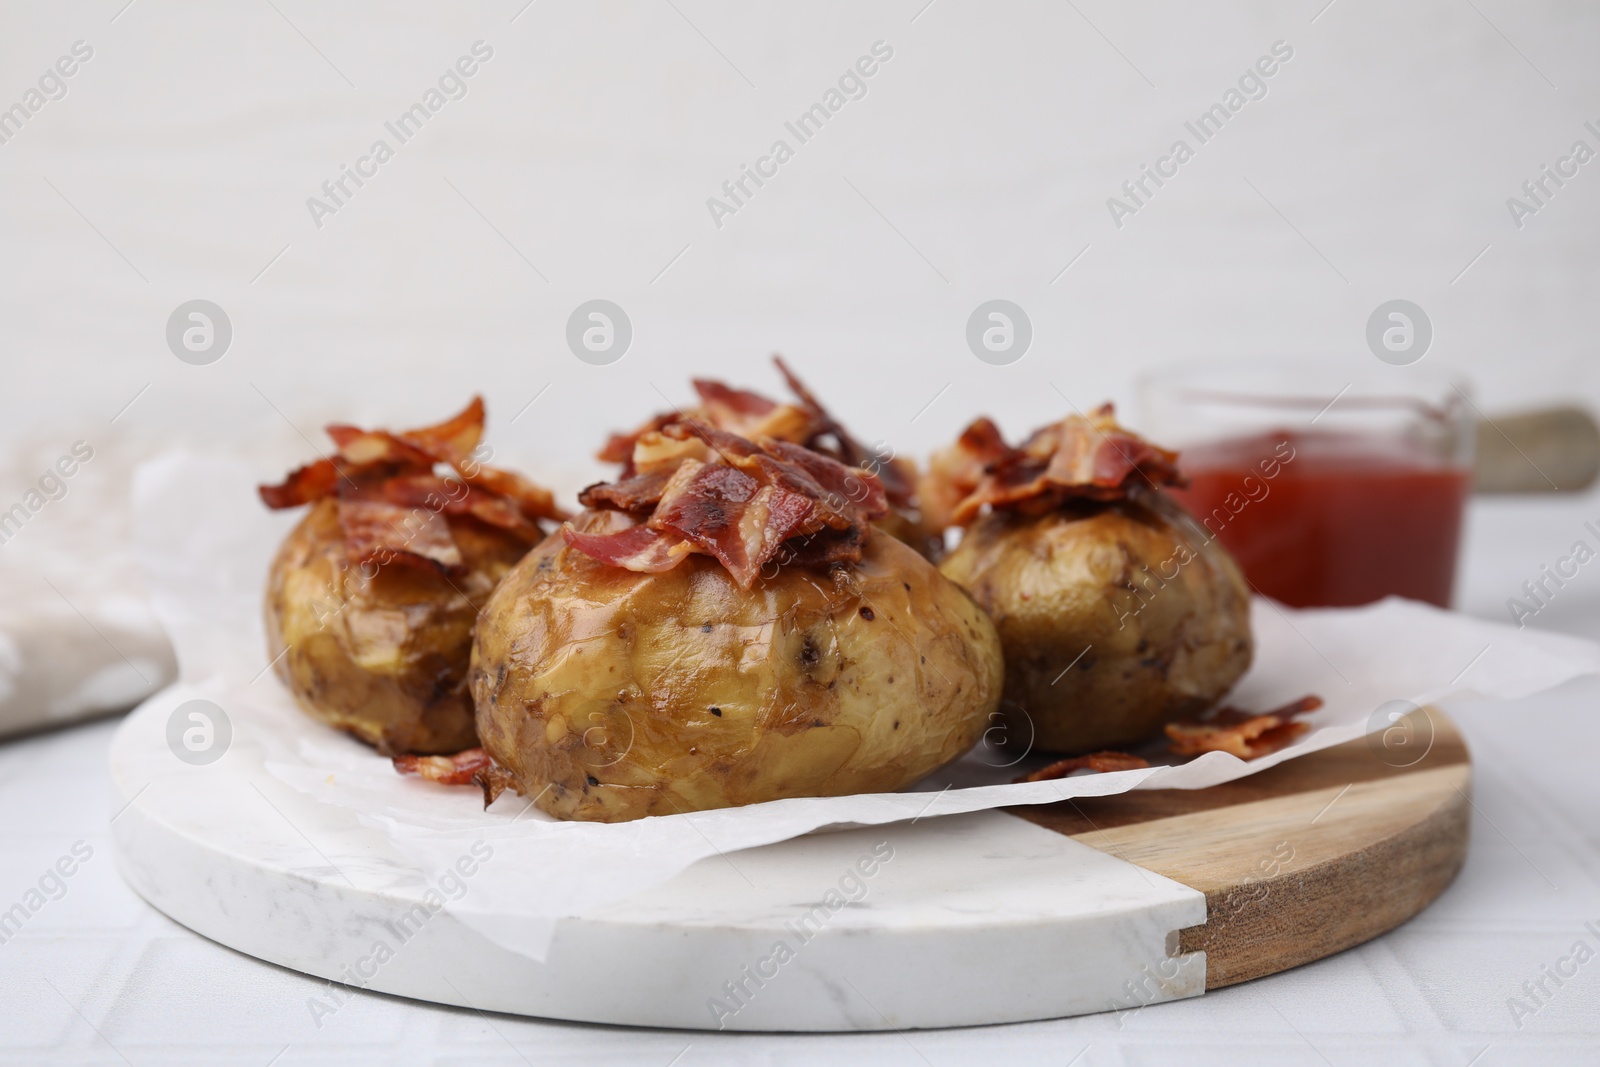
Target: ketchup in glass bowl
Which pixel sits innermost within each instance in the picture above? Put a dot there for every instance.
(1330, 489)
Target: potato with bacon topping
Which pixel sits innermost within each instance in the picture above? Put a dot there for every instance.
(372, 597)
(803, 421)
(1117, 611)
(721, 627)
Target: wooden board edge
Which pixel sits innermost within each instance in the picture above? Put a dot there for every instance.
(1334, 905)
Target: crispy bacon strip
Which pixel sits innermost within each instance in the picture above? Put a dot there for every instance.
(457, 769)
(1079, 458)
(426, 494)
(1255, 737)
(639, 493)
(1247, 735)
(453, 440)
(619, 446)
(471, 766)
(369, 448)
(303, 485)
(1304, 706)
(504, 513)
(726, 513)
(824, 547)
(380, 531)
(722, 407)
(394, 490)
(746, 503)
(954, 472)
(494, 780)
(736, 410)
(1098, 762)
(899, 478)
(748, 414)
(638, 548)
(534, 501)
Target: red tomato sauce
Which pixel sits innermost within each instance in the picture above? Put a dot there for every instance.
(1324, 519)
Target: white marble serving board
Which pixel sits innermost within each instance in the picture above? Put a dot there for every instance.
(952, 921)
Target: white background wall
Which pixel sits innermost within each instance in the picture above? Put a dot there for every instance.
(593, 137)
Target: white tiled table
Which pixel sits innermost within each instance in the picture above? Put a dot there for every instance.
(99, 977)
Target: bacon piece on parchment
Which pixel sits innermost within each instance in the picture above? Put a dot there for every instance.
(471, 766)
(1245, 734)
(1098, 762)
(455, 769)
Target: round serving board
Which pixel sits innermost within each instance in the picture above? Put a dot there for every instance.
(1306, 859)
(1001, 916)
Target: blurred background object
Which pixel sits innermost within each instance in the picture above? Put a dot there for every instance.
(1336, 484)
(1551, 450)
(78, 637)
(188, 159)
(1331, 486)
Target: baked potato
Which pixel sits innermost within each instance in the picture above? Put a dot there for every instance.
(616, 679)
(1116, 619)
(372, 597)
(381, 652)
(1116, 611)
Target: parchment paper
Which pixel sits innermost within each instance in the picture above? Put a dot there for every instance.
(205, 541)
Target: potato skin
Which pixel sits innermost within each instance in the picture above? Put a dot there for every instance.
(1161, 645)
(611, 695)
(383, 658)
